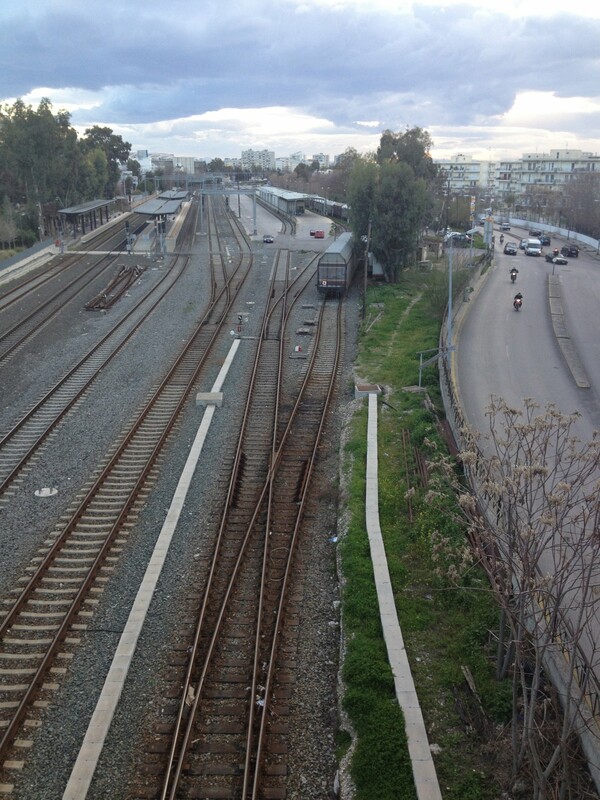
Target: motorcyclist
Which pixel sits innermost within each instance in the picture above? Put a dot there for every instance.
(513, 274)
(501, 238)
(518, 300)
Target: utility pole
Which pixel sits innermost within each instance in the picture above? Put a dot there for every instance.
(368, 239)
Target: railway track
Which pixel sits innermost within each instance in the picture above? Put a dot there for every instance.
(19, 444)
(24, 439)
(40, 621)
(13, 339)
(228, 735)
(77, 283)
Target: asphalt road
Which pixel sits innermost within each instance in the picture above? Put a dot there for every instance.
(515, 354)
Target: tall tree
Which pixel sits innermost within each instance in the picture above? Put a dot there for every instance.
(115, 149)
(412, 147)
(397, 192)
(399, 216)
(362, 188)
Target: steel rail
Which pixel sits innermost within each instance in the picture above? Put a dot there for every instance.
(184, 375)
(193, 688)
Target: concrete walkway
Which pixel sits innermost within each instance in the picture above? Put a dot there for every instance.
(425, 776)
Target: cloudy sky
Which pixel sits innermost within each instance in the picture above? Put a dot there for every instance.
(488, 78)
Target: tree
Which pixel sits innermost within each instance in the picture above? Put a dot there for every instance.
(412, 147)
(8, 225)
(38, 153)
(339, 178)
(134, 166)
(94, 174)
(534, 515)
(581, 205)
(217, 165)
(397, 192)
(362, 187)
(115, 150)
(302, 172)
(399, 216)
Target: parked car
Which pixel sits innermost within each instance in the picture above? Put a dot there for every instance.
(458, 239)
(545, 240)
(510, 248)
(319, 234)
(267, 239)
(570, 250)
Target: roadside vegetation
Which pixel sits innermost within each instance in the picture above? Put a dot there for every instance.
(446, 624)
(495, 724)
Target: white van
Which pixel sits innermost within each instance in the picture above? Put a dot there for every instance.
(533, 247)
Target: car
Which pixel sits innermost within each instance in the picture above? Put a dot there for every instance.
(510, 248)
(312, 231)
(570, 250)
(267, 239)
(523, 243)
(554, 258)
(545, 240)
(505, 226)
(458, 239)
(535, 233)
(319, 234)
(533, 250)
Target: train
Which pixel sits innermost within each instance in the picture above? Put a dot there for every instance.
(328, 208)
(337, 265)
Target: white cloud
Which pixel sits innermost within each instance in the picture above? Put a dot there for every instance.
(316, 75)
(531, 108)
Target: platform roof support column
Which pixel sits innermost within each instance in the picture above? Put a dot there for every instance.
(254, 211)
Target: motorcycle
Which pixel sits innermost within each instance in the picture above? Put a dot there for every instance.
(517, 303)
(513, 275)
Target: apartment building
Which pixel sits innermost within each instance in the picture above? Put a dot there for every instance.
(517, 177)
(261, 159)
(464, 175)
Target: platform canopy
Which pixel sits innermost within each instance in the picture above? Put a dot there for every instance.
(85, 208)
(159, 206)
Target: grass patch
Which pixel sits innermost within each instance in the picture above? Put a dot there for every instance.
(445, 623)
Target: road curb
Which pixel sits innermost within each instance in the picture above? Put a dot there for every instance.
(561, 333)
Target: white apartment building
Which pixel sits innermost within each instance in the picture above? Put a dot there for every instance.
(549, 170)
(287, 163)
(261, 159)
(185, 164)
(517, 176)
(322, 160)
(464, 175)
